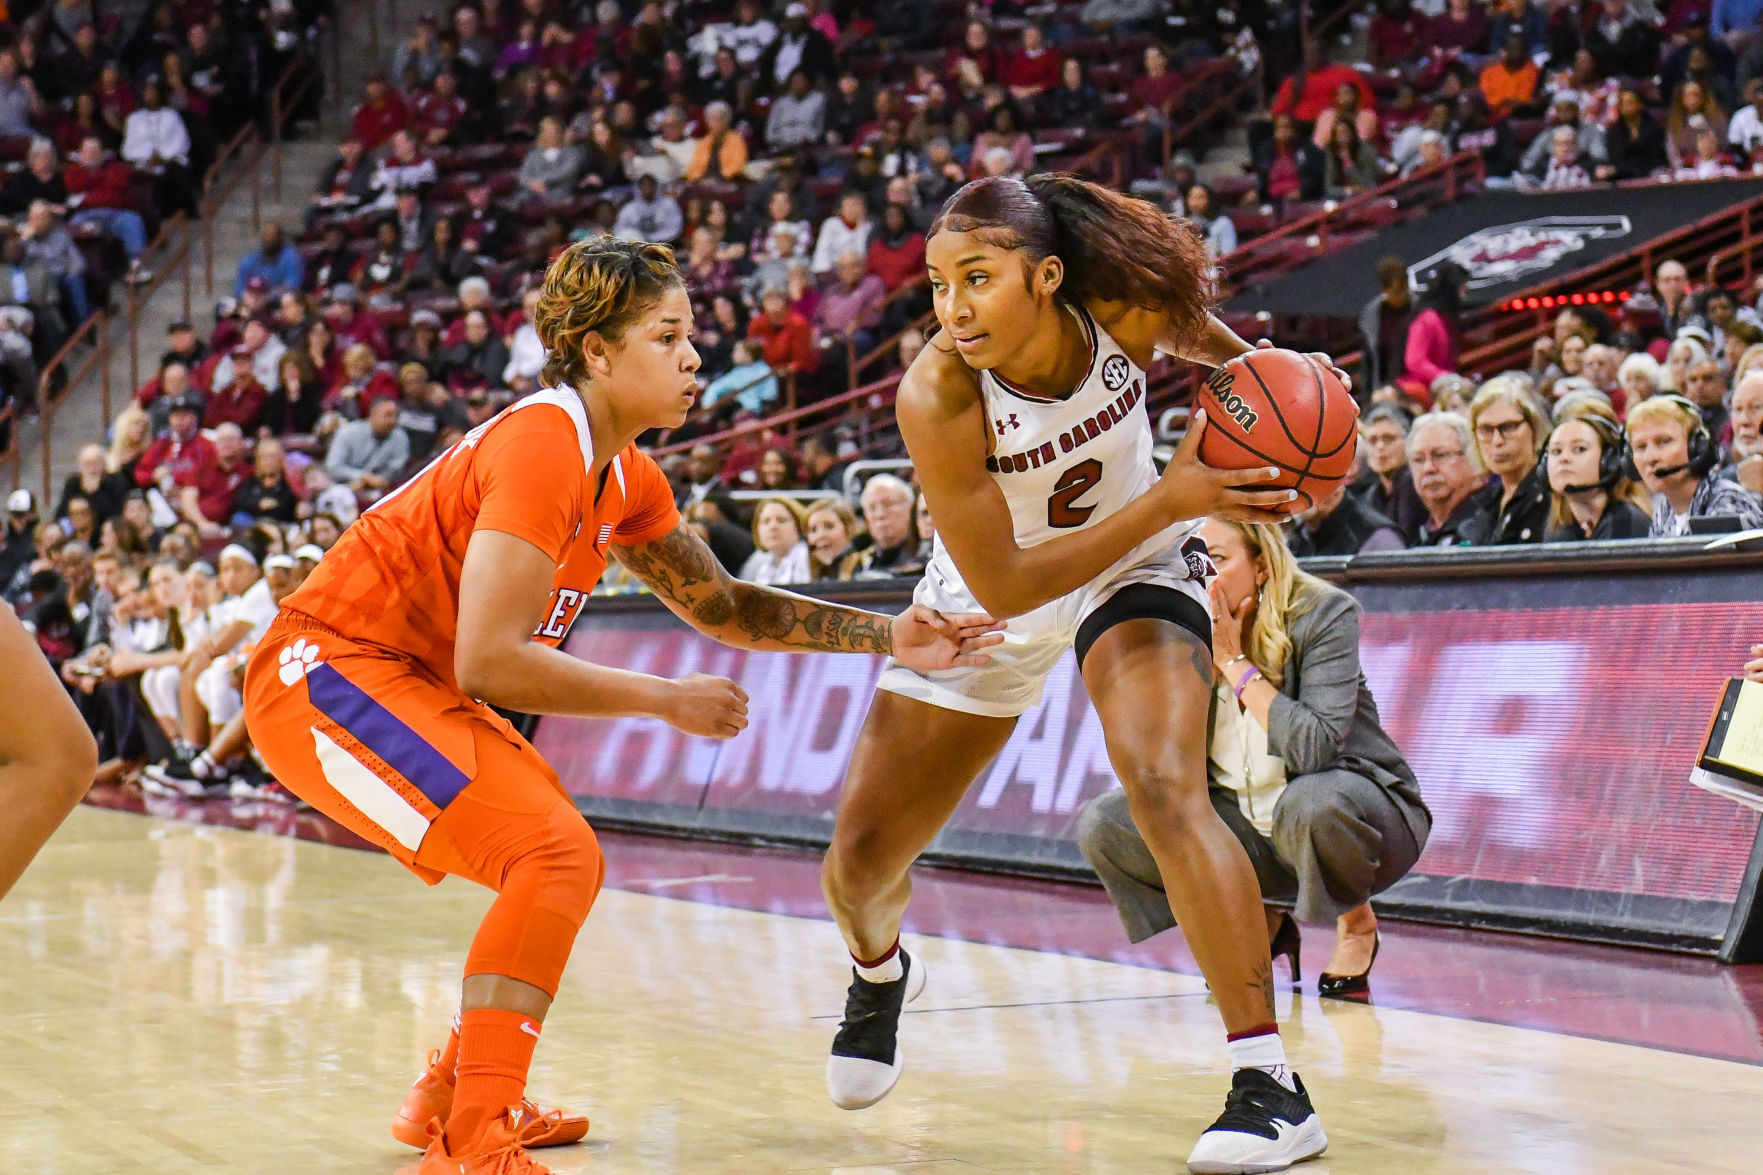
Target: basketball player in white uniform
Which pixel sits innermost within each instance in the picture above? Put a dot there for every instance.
(1026, 423)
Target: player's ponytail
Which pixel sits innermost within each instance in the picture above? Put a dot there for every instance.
(599, 285)
(1116, 248)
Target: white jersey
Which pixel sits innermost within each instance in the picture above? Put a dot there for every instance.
(1063, 465)
(1069, 463)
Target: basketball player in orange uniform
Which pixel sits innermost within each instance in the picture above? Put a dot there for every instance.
(47, 756)
(367, 696)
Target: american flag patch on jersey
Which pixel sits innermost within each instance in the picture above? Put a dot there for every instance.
(605, 534)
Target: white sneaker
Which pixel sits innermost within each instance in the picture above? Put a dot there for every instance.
(1264, 1127)
(866, 1061)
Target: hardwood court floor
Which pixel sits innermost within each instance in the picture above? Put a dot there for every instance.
(185, 998)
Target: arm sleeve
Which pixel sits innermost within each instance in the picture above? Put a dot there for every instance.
(525, 485)
(1309, 730)
(649, 511)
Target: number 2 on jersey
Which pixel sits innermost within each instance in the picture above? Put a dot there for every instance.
(1073, 484)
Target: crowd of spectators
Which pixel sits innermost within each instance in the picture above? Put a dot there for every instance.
(109, 117)
(1645, 424)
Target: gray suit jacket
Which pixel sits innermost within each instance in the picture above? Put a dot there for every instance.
(1324, 717)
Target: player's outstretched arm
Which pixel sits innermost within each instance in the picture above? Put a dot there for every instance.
(504, 591)
(680, 569)
(47, 756)
(945, 432)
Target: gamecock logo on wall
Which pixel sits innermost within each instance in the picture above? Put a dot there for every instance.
(1506, 252)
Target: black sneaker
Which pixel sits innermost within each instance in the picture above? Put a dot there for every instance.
(865, 1061)
(177, 776)
(1264, 1127)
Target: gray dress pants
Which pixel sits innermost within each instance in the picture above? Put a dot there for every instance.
(1338, 838)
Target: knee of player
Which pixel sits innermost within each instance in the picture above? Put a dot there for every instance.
(67, 761)
(858, 852)
(1166, 794)
(571, 852)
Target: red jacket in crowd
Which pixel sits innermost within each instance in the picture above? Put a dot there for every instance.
(186, 458)
(109, 185)
(897, 264)
(216, 488)
(789, 345)
(244, 402)
(375, 122)
(1318, 93)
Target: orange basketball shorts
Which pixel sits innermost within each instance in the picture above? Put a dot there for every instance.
(441, 782)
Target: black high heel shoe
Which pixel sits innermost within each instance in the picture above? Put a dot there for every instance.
(1286, 942)
(1350, 987)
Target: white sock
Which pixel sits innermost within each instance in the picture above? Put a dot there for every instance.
(1266, 1052)
(203, 766)
(887, 970)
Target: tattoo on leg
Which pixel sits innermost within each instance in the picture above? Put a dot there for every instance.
(1262, 980)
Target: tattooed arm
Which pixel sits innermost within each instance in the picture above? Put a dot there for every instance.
(680, 569)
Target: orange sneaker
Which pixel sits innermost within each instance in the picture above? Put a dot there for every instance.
(500, 1151)
(432, 1097)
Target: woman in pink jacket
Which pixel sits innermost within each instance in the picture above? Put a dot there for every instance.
(1433, 335)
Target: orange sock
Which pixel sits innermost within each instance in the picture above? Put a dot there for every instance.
(495, 1051)
(450, 1051)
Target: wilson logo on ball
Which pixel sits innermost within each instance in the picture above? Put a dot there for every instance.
(1232, 404)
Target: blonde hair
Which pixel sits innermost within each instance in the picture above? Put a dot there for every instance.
(796, 512)
(847, 518)
(1287, 593)
(599, 285)
(1665, 410)
(1750, 355)
(122, 451)
(1510, 389)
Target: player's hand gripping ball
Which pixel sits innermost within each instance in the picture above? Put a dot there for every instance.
(1277, 407)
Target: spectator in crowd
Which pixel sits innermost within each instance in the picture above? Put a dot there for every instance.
(20, 105)
(266, 493)
(1706, 389)
(798, 46)
(298, 400)
(821, 463)
(105, 188)
(750, 384)
(369, 455)
(832, 533)
(650, 215)
(896, 250)
(1289, 167)
(1745, 131)
(1032, 70)
(176, 455)
(1074, 102)
(93, 481)
(721, 146)
(1004, 130)
(1389, 485)
(1312, 89)
(18, 541)
(780, 553)
(1639, 377)
(785, 337)
(1691, 103)
(40, 179)
(1509, 431)
(703, 476)
(1298, 765)
(1213, 222)
(379, 117)
(1340, 523)
(156, 142)
(1479, 131)
(1447, 477)
(478, 359)
(887, 505)
(797, 118)
(275, 261)
(205, 498)
(553, 165)
(1620, 42)
(1383, 325)
(1434, 334)
(847, 232)
(1509, 84)
(1566, 168)
(1352, 165)
(1591, 497)
(850, 309)
(1565, 114)
(31, 286)
(1347, 107)
(1709, 160)
(1635, 141)
(48, 244)
(1675, 456)
(1747, 423)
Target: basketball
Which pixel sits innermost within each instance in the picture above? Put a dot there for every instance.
(1277, 407)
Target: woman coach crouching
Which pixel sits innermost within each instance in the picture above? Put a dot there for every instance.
(1299, 767)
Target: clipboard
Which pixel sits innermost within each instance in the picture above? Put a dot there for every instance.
(1731, 762)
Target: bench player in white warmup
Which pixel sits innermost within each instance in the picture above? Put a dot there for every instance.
(1026, 423)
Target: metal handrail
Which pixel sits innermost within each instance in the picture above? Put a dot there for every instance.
(97, 325)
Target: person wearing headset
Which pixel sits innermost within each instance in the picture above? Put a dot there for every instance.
(1673, 456)
(1591, 497)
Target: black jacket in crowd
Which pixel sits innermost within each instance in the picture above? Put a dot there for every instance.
(1525, 519)
(1620, 520)
(1352, 528)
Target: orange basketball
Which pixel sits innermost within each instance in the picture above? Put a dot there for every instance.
(1277, 407)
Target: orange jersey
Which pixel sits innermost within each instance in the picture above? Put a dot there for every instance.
(392, 580)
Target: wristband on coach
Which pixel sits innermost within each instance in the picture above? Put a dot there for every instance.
(1244, 684)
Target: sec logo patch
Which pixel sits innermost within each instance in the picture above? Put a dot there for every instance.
(1114, 373)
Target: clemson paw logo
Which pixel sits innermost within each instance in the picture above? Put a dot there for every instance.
(296, 660)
